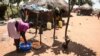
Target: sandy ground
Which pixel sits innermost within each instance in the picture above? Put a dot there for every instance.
(84, 32)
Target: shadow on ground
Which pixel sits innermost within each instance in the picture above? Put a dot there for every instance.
(41, 50)
(73, 47)
(2, 23)
(57, 47)
(80, 50)
(14, 53)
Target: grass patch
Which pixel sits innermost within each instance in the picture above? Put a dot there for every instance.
(9, 12)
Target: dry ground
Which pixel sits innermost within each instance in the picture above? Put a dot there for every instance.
(84, 32)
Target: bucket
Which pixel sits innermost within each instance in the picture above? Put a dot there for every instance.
(36, 45)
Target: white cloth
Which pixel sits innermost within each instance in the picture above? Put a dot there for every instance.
(12, 29)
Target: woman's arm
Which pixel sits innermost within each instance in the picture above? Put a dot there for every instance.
(23, 36)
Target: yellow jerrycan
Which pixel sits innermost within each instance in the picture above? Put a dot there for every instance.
(49, 25)
(60, 24)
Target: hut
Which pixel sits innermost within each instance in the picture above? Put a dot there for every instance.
(36, 10)
(96, 12)
(38, 2)
(47, 10)
(75, 8)
(86, 9)
(60, 5)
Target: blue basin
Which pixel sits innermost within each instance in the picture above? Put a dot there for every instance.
(25, 46)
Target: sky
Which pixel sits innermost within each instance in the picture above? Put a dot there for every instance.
(95, 1)
(96, 4)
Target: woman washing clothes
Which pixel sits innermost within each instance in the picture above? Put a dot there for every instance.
(17, 28)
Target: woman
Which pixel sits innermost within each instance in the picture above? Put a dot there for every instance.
(17, 28)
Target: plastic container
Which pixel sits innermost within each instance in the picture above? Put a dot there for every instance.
(36, 45)
(25, 46)
(49, 25)
(60, 24)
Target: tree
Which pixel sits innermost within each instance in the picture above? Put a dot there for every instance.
(0, 0)
(81, 2)
(71, 4)
(3, 9)
(89, 2)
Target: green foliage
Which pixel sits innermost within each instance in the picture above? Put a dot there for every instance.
(3, 8)
(15, 12)
(15, 1)
(89, 2)
(81, 2)
(0, 0)
(73, 2)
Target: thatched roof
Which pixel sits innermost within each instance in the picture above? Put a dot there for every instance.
(96, 11)
(54, 3)
(86, 6)
(39, 2)
(58, 3)
(75, 6)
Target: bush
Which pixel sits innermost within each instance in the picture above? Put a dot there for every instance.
(3, 9)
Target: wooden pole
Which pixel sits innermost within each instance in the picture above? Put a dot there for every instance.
(67, 40)
(40, 34)
(54, 32)
(36, 24)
